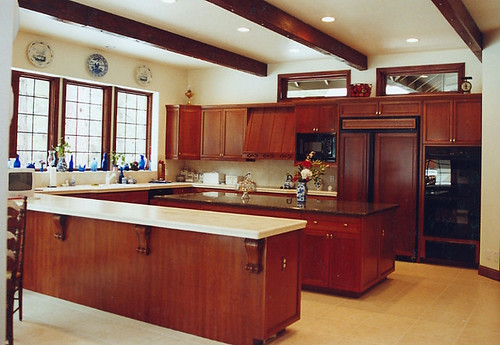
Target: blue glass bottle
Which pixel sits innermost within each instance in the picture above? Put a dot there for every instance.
(17, 162)
(142, 163)
(93, 165)
(104, 164)
(71, 164)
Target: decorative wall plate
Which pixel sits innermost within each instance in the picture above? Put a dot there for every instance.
(97, 65)
(143, 75)
(40, 54)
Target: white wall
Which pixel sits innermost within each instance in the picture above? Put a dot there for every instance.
(224, 86)
(8, 23)
(490, 210)
(70, 61)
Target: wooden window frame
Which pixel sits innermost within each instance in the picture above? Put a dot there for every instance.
(383, 73)
(283, 80)
(53, 109)
(149, 96)
(106, 115)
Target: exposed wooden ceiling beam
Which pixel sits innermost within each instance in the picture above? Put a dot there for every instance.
(272, 18)
(460, 19)
(69, 11)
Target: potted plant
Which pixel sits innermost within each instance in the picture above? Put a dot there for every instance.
(116, 158)
(62, 149)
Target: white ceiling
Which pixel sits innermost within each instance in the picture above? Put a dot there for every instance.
(373, 27)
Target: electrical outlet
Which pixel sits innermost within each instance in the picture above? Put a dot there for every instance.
(495, 257)
(332, 179)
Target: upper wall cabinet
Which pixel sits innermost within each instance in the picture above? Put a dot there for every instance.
(362, 108)
(270, 133)
(453, 122)
(183, 132)
(223, 133)
(316, 118)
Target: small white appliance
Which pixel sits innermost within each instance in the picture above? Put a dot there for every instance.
(21, 182)
(213, 177)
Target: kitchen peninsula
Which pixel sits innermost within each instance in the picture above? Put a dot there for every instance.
(347, 247)
(228, 277)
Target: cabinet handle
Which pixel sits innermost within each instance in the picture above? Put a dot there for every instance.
(383, 232)
(329, 235)
(283, 263)
(315, 221)
(345, 225)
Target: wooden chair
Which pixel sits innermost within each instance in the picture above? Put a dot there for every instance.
(16, 225)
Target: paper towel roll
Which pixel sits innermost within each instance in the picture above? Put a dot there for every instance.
(52, 177)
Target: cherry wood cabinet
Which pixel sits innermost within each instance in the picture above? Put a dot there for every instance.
(270, 133)
(384, 107)
(383, 168)
(230, 289)
(452, 122)
(316, 118)
(346, 254)
(223, 133)
(183, 132)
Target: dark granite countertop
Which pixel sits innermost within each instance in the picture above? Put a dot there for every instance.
(286, 203)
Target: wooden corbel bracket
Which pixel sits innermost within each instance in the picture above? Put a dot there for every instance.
(254, 255)
(59, 226)
(143, 239)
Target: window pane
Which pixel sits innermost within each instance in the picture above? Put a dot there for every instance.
(32, 119)
(317, 88)
(131, 120)
(83, 128)
(421, 83)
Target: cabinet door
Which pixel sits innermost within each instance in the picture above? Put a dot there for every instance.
(258, 133)
(345, 261)
(306, 118)
(357, 108)
(282, 279)
(172, 135)
(353, 167)
(328, 118)
(437, 122)
(189, 132)
(399, 108)
(396, 181)
(315, 257)
(467, 122)
(211, 133)
(386, 263)
(235, 121)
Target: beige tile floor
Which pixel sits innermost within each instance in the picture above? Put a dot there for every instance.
(418, 304)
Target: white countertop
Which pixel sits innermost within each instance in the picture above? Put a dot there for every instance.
(115, 187)
(218, 223)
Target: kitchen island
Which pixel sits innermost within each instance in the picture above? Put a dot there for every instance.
(228, 277)
(347, 247)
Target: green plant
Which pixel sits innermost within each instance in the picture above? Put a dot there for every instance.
(116, 157)
(62, 148)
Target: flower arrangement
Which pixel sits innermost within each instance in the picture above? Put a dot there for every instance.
(62, 148)
(310, 169)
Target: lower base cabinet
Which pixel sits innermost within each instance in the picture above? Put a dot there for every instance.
(340, 254)
(345, 254)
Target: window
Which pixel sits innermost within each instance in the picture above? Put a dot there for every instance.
(85, 119)
(34, 114)
(419, 79)
(313, 85)
(132, 127)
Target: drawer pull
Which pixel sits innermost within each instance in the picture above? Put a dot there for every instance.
(315, 221)
(345, 225)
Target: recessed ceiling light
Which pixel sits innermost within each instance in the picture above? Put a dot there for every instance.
(294, 50)
(412, 40)
(243, 29)
(169, 1)
(328, 19)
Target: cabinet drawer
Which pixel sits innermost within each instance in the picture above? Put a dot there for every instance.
(332, 223)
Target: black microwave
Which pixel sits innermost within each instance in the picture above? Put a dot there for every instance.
(324, 146)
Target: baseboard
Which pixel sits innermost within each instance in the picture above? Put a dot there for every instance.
(488, 272)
